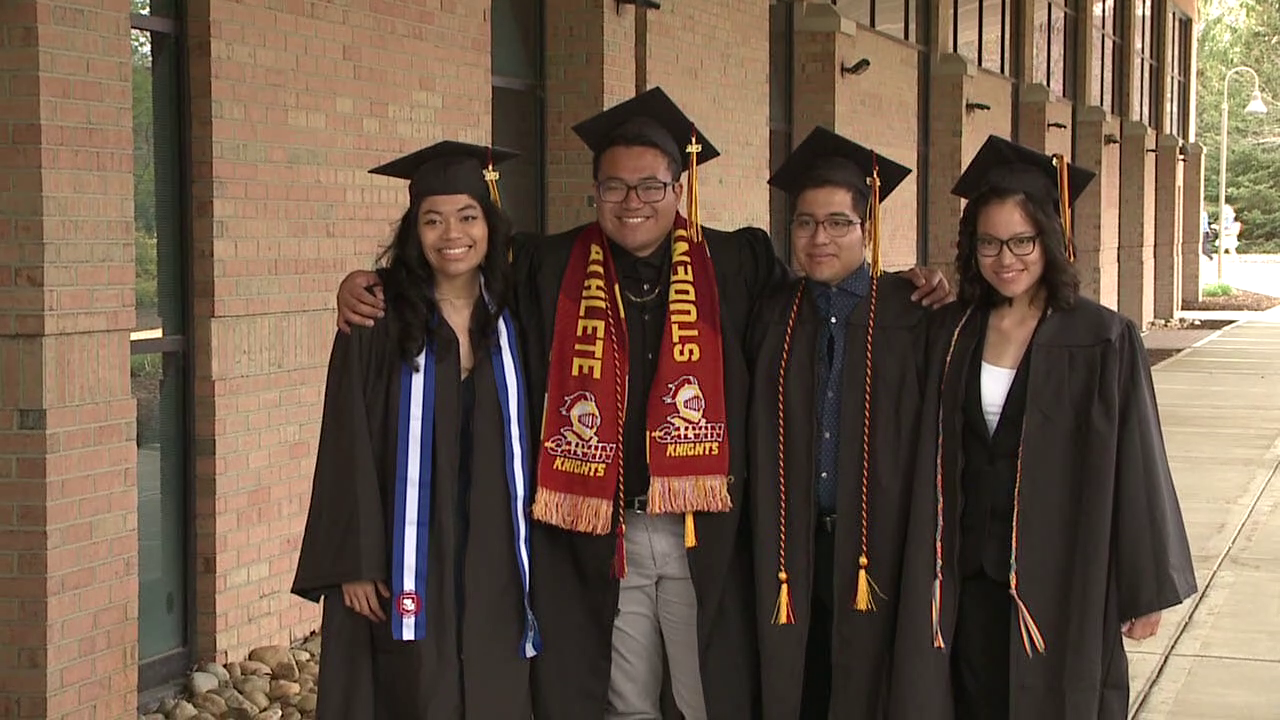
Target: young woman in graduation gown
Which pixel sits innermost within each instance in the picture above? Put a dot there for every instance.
(417, 537)
(1046, 526)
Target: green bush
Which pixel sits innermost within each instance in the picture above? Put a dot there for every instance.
(1218, 290)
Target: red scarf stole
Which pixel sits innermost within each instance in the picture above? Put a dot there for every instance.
(580, 466)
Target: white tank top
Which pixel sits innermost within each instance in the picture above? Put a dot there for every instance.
(996, 381)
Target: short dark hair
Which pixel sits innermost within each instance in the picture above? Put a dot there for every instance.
(832, 175)
(639, 136)
(409, 282)
(1060, 280)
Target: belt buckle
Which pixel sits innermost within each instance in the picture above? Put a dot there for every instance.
(636, 504)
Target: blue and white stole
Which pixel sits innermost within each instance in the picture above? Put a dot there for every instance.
(411, 536)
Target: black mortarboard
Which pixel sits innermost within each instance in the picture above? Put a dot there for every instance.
(1005, 165)
(449, 168)
(650, 115)
(830, 155)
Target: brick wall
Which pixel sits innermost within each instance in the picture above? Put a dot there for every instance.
(292, 103)
(1167, 292)
(1191, 241)
(712, 58)
(863, 104)
(590, 65)
(1137, 223)
(68, 548)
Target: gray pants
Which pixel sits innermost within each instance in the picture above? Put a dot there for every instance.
(657, 609)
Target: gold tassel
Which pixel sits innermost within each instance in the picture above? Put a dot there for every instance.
(694, 216)
(690, 532)
(491, 179)
(873, 213)
(864, 597)
(1064, 204)
(782, 612)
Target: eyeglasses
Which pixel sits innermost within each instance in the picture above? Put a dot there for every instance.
(835, 227)
(616, 191)
(1020, 246)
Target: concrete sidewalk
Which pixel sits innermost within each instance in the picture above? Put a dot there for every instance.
(1218, 655)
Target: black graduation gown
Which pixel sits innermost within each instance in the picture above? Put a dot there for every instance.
(1101, 534)
(474, 597)
(861, 641)
(574, 595)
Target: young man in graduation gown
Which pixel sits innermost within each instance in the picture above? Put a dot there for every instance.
(836, 392)
(1045, 524)
(634, 329)
(417, 538)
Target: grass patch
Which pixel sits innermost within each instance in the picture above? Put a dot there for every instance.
(1220, 289)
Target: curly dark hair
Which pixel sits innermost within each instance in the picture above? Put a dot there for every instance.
(1060, 281)
(409, 282)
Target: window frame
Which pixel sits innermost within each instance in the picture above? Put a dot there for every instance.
(1107, 53)
(1144, 103)
(1004, 62)
(157, 671)
(1177, 56)
(868, 13)
(1067, 55)
(538, 89)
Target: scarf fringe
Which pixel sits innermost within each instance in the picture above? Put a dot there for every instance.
(573, 512)
(689, 493)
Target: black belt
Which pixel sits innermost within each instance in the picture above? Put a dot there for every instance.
(636, 504)
(827, 523)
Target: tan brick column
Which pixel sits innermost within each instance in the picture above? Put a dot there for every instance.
(854, 106)
(68, 549)
(1192, 204)
(1137, 228)
(1096, 226)
(590, 65)
(1044, 124)
(952, 77)
(1168, 221)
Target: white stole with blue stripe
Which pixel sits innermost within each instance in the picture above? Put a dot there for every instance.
(410, 538)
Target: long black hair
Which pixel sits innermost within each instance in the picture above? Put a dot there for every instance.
(409, 283)
(1060, 282)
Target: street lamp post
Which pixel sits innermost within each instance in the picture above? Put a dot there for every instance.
(1255, 107)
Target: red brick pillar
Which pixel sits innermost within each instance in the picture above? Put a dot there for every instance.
(1168, 221)
(1192, 205)
(1137, 226)
(590, 65)
(68, 551)
(1096, 215)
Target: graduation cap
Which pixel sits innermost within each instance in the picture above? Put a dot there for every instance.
(651, 115)
(828, 155)
(450, 168)
(654, 117)
(1005, 165)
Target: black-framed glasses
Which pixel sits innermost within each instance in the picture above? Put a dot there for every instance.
(616, 191)
(805, 226)
(1020, 246)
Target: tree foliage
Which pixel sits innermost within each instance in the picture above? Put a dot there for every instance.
(1236, 33)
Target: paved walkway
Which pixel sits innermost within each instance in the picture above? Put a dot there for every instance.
(1218, 655)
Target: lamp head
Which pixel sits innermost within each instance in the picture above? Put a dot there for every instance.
(1256, 106)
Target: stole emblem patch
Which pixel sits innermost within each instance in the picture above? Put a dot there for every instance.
(408, 604)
